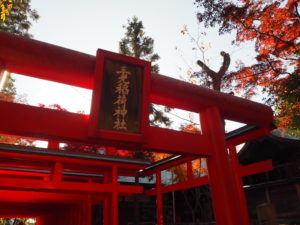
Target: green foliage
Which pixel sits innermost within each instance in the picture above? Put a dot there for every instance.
(9, 87)
(19, 19)
(137, 45)
(288, 105)
(8, 91)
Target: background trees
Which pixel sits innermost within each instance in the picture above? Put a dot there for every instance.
(274, 26)
(137, 45)
(17, 17)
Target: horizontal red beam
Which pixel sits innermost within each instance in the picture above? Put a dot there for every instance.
(26, 210)
(41, 197)
(64, 186)
(170, 141)
(255, 168)
(252, 135)
(21, 173)
(67, 160)
(46, 61)
(43, 123)
(252, 169)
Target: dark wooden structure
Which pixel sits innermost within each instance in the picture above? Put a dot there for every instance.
(280, 187)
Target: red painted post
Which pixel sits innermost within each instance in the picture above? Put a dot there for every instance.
(106, 210)
(159, 201)
(38, 221)
(110, 151)
(106, 205)
(221, 178)
(57, 172)
(239, 184)
(53, 144)
(89, 208)
(114, 199)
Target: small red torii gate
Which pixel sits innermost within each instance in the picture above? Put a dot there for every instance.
(50, 62)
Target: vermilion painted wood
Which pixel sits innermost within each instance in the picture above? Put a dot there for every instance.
(114, 198)
(221, 177)
(255, 168)
(176, 142)
(106, 211)
(57, 172)
(239, 185)
(252, 135)
(88, 207)
(50, 62)
(53, 144)
(69, 168)
(74, 187)
(260, 167)
(44, 197)
(9, 173)
(33, 58)
(23, 210)
(42, 60)
(43, 123)
(252, 169)
(159, 201)
(69, 160)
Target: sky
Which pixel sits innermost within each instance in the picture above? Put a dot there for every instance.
(88, 25)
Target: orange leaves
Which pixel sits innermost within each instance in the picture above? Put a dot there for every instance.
(7, 97)
(199, 167)
(190, 128)
(179, 172)
(5, 8)
(53, 106)
(184, 30)
(160, 156)
(16, 141)
(274, 26)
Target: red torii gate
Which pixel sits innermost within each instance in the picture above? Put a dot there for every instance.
(50, 62)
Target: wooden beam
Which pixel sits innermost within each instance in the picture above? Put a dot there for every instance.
(66, 186)
(50, 62)
(43, 123)
(248, 170)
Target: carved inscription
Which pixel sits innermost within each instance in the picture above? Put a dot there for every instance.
(122, 90)
(121, 97)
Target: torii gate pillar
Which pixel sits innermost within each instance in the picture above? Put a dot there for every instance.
(221, 177)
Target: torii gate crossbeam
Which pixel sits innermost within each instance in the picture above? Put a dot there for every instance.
(49, 62)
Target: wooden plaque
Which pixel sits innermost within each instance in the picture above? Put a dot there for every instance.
(120, 104)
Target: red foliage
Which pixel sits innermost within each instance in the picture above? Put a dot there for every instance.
(274, 26)
(53, 106)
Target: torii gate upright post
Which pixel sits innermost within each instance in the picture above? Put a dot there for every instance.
(221, 178)
(239, 184)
